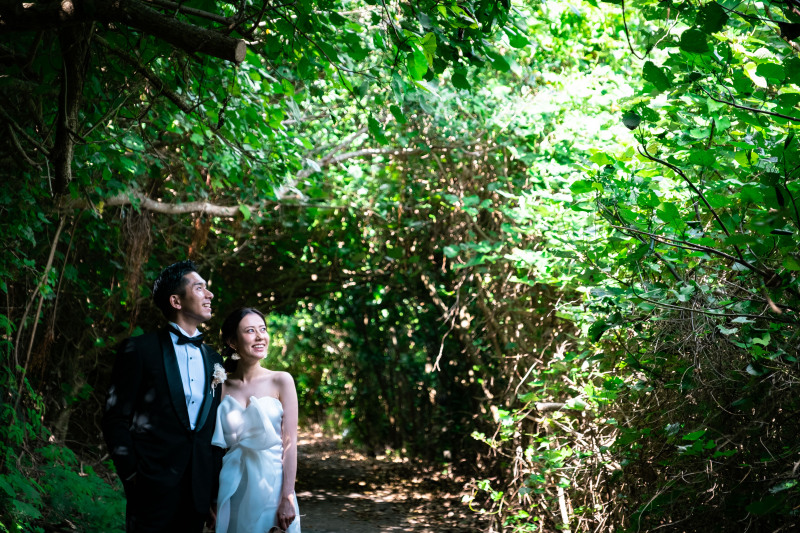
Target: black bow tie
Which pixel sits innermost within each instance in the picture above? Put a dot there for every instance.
(197, 340)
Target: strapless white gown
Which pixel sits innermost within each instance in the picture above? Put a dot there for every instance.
(252, 470)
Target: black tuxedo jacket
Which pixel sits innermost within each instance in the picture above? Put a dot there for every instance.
(146, 422)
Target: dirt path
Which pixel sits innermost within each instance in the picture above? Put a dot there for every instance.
(341, 491)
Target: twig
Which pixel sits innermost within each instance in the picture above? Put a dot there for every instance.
(709, 313)
(22, 132)
(691, 246)
(19, 148)
(38, 310)
(627, 33)
(158, 84)
(192, 11)
(745, 108)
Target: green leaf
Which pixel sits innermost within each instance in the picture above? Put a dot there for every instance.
(771, 71)
(516, 38)
(792, 263)
(576, 404)
(648, 200)
(597, 329)
(712, 17)
(704, 158)
(416, 63)
(657, 76)
(460, 81)
(581, 187)
(428, 44)
(694, 41)
(694, 435)
(751, 70)
(498, 62)
(245, 211)
(631, 120)
(7, 488)
(668, 212)
(782, 486)
(768, 505)
(450, 251)
(376, 130)
(397, 113)
(791, 69)
(746, 158)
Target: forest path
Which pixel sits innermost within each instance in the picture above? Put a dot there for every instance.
(342, 491)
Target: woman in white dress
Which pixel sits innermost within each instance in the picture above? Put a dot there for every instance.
(257, 423)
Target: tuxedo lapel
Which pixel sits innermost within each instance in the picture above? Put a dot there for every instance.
(173, 374)
(208, 398)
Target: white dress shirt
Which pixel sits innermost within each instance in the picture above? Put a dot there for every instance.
(193, 374)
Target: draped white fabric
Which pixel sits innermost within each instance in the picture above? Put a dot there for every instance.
(252, 471)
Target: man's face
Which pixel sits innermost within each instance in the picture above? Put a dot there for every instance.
(195, 304)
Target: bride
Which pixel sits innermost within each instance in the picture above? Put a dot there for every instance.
(257, 423)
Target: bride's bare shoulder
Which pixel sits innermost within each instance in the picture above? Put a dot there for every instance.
(280, 377)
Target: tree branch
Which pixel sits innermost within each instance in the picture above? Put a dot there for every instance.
(696, 247)
(74, 43)
(745, 108)
(157, 206)
(180, 8)
(144, 202)
(157, 83)
(19, 148)
(710, 313)
(17, 16)
(22, 132)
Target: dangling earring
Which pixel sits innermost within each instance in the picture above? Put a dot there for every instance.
(234, 356)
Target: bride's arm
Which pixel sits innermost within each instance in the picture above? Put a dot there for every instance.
(288, 398)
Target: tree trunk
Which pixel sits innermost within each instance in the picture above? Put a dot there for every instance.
(74, 41)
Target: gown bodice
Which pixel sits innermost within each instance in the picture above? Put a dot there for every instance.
(252, 469)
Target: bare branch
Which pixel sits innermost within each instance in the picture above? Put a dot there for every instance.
(144, 202)
(711, 313)
(22, 132)
(19, 148)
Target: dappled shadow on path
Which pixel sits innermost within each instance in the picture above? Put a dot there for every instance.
(343, 491)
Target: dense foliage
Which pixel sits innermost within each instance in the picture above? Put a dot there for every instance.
(552, 244)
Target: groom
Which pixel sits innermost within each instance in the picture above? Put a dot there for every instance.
(161, 412)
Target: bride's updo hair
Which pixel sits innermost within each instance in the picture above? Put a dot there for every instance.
(230, 329)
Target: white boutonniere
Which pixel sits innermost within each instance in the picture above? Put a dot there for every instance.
(218, 376)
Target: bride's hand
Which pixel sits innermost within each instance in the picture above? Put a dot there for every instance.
(285, 513)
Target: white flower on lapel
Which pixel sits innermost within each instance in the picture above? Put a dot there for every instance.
(218, 376)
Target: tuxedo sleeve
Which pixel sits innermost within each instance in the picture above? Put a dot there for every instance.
(217, 454)
(126, 377)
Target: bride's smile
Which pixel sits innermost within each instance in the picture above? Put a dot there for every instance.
(252, 339)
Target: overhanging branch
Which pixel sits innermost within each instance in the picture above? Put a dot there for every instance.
(18, 16)
(156, 206)
(144, 202)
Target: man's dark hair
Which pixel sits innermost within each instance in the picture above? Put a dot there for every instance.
(170, 282)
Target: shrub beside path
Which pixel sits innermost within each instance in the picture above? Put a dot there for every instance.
(343, 491)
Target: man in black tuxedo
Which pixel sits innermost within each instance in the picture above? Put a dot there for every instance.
(161, 412)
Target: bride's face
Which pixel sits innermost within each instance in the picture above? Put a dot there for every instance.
(252, 338)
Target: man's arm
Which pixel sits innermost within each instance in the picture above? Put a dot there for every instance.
(120, 407)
